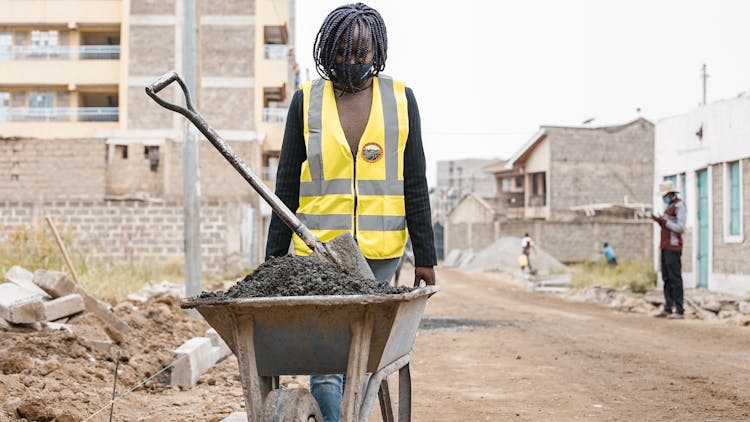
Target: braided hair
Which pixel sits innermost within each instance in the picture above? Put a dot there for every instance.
(338, 29)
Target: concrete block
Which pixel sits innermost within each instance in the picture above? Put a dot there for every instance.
(63, 307)
(217, 341)
(236, 417)
(192, 359)
(20, 306)
(55, 283)
(744, 308)
(58, 284)
(24, 278)
(4, 324)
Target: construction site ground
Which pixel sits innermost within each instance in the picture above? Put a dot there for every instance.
(488, 351)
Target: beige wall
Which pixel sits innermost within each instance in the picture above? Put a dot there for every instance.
(60, 11)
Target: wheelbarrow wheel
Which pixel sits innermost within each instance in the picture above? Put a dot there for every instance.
(291, 405)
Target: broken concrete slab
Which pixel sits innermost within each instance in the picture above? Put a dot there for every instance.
(24, 278)
(744, 308)
(20, 306)
(236, 417)
(58, 284)
(217, 341)
(192, 359)
(54, 326)
(63, 307)
(4, 324)
(55, 283)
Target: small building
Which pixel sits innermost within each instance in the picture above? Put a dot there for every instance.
(474, 223)
(574, 188)
(706, 153)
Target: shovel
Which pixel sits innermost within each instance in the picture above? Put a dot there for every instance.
(341, 250)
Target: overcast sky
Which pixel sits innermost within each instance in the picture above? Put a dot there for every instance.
(487, 74)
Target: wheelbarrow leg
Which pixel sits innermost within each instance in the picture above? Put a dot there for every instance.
(242, 331)
(359, 353)
(386, 407)
(404, 394)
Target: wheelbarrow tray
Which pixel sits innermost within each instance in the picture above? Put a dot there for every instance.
(312, 334)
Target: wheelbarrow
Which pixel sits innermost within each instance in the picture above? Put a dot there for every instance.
(309, 335)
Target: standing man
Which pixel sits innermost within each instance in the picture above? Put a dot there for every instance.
(526, 245)
(352, 160)
(672, 225)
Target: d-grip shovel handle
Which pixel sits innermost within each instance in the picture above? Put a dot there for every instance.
(286, 215)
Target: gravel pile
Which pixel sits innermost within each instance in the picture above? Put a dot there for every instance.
(302, 276)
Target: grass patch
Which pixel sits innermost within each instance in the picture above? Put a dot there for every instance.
(639, 276)
(35, 248)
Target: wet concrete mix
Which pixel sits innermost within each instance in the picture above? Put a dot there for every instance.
(302, 276)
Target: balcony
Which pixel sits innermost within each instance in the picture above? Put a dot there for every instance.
(55, 12)
(66, 52)
(57, 122)
(58, 114)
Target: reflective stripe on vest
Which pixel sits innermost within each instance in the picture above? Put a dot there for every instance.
(327, 194)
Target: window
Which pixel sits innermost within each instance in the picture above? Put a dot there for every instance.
(6, 45)
(4, 106)
(44, 38)
(538, 190)
(41, 99)
(733, 202)
(683, 187)
(519, 181)
(121, 151)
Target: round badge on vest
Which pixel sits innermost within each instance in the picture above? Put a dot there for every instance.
(372, 152)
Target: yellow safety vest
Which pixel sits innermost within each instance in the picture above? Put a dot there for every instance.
(364, 196)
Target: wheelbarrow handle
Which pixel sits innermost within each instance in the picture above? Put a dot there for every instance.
(286, 215)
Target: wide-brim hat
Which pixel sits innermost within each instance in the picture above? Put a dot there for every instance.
(667, 187)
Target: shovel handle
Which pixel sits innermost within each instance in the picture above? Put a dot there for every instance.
(286, 215)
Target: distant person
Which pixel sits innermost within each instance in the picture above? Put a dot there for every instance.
(609, 253)
(526, 246)
(672, 224)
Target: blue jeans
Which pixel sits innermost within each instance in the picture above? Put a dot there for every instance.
(328, 390)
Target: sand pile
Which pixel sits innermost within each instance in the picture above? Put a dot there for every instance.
(503, 254)
(302, 276)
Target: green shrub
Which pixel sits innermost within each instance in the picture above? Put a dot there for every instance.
(639, 276)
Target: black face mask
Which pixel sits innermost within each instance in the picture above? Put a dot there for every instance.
(358, 72)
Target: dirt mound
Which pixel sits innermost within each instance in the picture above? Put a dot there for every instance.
(503, 254)
(302, 276)
(60, 375)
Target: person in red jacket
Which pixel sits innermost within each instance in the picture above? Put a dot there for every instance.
(672, 224)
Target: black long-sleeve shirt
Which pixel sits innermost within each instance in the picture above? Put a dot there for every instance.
(416, 197)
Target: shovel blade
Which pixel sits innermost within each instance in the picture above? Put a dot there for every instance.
(344, 252)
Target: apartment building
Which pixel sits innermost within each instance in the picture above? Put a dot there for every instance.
(75, 122)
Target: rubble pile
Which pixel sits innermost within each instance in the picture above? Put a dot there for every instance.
(59, 346)
(699, 303)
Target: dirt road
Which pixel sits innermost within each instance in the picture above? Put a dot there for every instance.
(491, 352)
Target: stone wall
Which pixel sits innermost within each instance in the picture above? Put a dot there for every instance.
(579, 241)
(730, 258)
(602, 165)
(33, 169)
(137, 230)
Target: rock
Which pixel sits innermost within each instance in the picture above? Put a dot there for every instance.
(727, 314)
(24, 278)
(744, 308)
(11, 405)
(711, 305)
(48, 366)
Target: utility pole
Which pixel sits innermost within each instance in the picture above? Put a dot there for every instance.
(190, 167)
(704, 76)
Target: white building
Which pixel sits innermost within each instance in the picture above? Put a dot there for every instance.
(706, 152)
